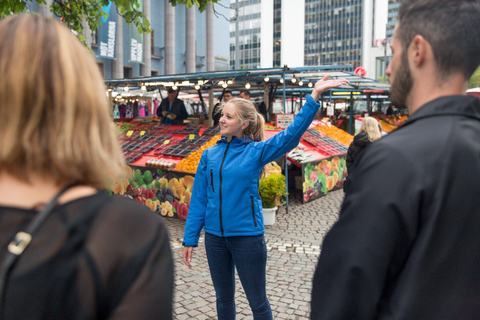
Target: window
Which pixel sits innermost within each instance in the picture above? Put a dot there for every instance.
(127, 72)
(152, 42)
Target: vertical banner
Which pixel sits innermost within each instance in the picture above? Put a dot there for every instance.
(136, 41)
(107, 34)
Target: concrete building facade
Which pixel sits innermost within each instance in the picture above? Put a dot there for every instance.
(182, 40)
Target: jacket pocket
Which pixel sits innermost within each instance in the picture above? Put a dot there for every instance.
(253, 212)
(211, 179)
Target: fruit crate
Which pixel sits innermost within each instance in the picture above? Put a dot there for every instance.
(145, 137)
(213, 131)
(199, 141)
(180, 150)
(129, 146)
(162, 147)
(187, 130)
(147, 147)
(131, 157)
(143, 127)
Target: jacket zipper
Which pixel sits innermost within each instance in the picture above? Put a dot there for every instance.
(220, 188)
(211, 179)
(253, 212)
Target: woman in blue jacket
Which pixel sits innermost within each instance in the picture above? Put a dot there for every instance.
(225, 200)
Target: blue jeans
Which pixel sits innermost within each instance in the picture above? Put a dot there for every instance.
(249, 256)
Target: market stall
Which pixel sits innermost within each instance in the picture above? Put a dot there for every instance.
(164, 158)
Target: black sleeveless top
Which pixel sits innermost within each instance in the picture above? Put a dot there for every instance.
(96, 257)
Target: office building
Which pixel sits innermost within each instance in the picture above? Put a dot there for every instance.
(299, 33)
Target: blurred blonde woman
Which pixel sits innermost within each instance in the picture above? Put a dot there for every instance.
(67, 250)
(368, 133)
(225, 200)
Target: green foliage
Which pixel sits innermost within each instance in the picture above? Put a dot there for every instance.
(202, 4)
(72, 11)
(474, 80)
(272, 188)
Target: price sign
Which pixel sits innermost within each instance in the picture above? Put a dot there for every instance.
(284, 120)
(142, 133)
(191, 137)
(129, 133)
(330, 111)
(166, 142)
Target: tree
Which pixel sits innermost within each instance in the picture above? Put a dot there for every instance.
(72, 11)
(474, 80)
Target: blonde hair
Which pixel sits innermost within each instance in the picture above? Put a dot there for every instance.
(246, 111)
(54, 117)
(370, 126)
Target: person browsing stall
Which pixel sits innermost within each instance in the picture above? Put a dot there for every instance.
(67, 249)
(226, 203)
(407, 241)
(172, 110)
(227, 96)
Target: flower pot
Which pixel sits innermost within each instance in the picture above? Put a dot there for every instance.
(269, 216)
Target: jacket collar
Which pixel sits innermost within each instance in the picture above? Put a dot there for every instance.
(235, 140)
(458, 105)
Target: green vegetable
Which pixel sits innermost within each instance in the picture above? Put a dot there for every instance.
(134, 184)
(156, 183)
(147, 176)
(150, 185)
(138, 175)
(140, 181)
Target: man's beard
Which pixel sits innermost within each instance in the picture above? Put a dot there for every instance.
(402, 84)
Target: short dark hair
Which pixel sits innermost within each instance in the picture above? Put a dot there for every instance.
(245, 92)
(227, 91)
(452, 27)
(171, 90)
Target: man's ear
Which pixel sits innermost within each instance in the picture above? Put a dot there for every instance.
(419, 49)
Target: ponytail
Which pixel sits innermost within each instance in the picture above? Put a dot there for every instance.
(258, 133)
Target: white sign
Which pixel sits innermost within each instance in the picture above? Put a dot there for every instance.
(330, 111)
(284, 120)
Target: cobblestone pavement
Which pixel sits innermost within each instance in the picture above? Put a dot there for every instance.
(293, 244)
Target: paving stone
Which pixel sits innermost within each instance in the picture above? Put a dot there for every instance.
(294, 244)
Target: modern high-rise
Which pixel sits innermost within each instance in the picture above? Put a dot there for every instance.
(393, 6)
(311, 33)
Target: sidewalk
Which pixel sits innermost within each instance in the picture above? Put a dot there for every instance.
(293, 244)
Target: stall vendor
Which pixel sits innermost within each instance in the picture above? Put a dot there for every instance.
(172, 110)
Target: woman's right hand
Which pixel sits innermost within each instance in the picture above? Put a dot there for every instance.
(324, 84)
(187, 256)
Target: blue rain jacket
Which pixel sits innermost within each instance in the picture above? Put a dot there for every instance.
(225, 196)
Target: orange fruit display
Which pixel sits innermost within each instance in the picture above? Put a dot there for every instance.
(335, 133)
(191, 162)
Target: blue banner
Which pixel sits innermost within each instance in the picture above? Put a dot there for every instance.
(107, 34)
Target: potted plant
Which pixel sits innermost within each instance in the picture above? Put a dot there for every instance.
(272, 189)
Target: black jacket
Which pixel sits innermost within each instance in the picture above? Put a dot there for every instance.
(407, 242)
(359, 143)
(178, 108)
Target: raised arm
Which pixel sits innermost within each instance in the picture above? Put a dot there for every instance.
(285, 141)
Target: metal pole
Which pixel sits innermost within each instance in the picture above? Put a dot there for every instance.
(350, 122)
(285, 156)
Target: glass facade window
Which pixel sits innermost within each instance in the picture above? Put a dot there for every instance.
(333, 32)
(277, 33)
(249, 25)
